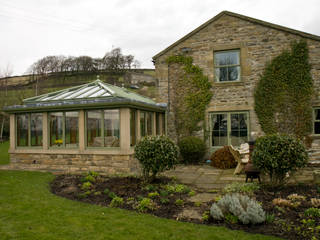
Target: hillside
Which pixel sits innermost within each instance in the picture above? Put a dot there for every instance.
(21, 87)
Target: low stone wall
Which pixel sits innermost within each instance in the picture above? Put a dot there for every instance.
(76, 163)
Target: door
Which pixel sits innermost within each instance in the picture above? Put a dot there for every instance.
(230, 128)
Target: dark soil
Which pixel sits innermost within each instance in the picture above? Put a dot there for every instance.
(288, 223)
(69, 186)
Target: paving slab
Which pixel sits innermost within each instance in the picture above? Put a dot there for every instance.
(189, 213)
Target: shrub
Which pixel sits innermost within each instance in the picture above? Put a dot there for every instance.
(192, 193)
(112, 195)
(86, 185)
(145, 204)
(179, 202)
(89, 178)
(192, 149)
(223, 158)
(153, 195)
(270, 218)
(177, 188)
(106, 191)
(164, 200)
(278, 155)
(244, 208)
(116, 202)
(150, 187)
(156, 154)
(237, 187)
(205, 216)
(164, 193)
(312, 212)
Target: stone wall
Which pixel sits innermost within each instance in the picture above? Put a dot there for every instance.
(139, 78)
(258, 44)
(76, 163)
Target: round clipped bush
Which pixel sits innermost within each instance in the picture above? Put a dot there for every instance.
(278, 155)
(223, 158)
(192, 149)
(156, 154)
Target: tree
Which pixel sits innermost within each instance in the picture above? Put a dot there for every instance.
(283, 94)
(4, 75)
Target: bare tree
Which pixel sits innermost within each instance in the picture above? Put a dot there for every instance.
(5, 74)
(136, 64)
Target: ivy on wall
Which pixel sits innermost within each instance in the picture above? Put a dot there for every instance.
(283, 94)
(191, 95)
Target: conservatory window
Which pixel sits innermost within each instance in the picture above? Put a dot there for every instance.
(29, 129)
(64, 129)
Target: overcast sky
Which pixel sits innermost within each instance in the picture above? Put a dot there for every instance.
(32, 29)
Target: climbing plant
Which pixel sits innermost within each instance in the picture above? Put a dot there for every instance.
(283, 94)
(191, 95)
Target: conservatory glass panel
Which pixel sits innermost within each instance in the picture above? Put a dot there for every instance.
(142, 124)
(111, 128)
(94, 124)
(22, 130)
(36, 129)
(133, 124)
(72, 129)
(56, 129)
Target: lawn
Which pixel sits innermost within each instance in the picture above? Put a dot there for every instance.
(4, 156)
(28, 210)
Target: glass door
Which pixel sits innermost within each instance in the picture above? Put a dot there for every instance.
(229, 128)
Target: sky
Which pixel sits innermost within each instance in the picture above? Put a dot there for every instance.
(32, 29)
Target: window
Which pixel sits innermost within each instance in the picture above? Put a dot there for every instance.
(158, 123)
(71, 130)
(146, 122)
(36, 129)
(142, 124)
(103, 128)
(316, 121)
(22, 130)
(227, 66)
(229, 128)
(133, 124)
(164, 124)
(29, 129)
(63, 129)
(111, 128)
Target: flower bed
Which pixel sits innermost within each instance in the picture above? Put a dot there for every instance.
(292, 212)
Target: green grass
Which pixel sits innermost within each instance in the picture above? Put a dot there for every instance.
(4, 155)
(29, 211)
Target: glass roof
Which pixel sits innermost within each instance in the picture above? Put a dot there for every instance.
(94, 90)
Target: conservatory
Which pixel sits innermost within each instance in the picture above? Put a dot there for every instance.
(89, 127)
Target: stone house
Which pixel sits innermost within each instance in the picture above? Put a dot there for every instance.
(233, 50)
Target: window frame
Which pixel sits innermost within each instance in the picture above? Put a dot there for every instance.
(29, 131)
(102, 128)
(146, 113)
(238, 50)
(228, 113)
(64, 146)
